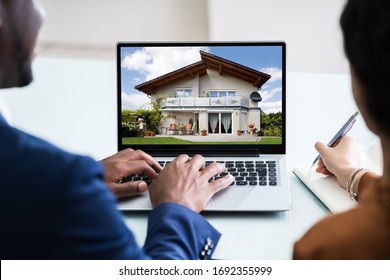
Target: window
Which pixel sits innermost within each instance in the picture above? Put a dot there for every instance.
(183, 92)
(220, 123)
(222, 93)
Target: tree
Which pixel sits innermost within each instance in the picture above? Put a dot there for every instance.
(270, 124)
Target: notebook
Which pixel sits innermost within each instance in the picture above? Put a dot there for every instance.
(223, 100)
(326, 188)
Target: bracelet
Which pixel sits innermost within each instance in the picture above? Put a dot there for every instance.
(353, 181)
(348, 184)
(353, 190)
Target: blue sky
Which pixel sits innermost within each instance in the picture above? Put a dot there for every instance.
(142, 64)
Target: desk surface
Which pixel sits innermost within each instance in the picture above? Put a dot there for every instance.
(79, 96)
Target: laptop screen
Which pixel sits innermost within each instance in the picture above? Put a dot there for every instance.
(218, 98)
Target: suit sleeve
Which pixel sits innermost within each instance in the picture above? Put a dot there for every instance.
(98, 231)
(176, 232)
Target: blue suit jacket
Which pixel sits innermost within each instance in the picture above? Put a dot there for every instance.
(54, 205)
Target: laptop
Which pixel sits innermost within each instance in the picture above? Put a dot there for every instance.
(223, 100)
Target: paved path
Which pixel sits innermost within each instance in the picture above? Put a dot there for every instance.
(215, 138)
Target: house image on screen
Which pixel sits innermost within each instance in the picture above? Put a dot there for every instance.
(214, 94)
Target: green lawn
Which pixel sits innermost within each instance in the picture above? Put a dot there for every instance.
(173, 140)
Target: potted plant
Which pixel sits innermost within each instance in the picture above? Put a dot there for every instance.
(251, 127)
(203, 132)
(148, 133)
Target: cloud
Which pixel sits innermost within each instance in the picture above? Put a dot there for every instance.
(135, 101)
(154, 61)
(276, 73)
(271, 107)
(269, 94)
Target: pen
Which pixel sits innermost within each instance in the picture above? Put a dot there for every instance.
(343, 130)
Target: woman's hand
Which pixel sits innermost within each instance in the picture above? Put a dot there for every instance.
(339, 160)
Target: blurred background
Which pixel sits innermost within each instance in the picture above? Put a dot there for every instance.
(92, 27)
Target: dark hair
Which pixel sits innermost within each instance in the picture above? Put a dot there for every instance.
(366, 31)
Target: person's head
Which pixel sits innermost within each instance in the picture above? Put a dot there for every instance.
(20, 21)
(366, 30)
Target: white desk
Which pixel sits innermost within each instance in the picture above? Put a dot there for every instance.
(73, 104)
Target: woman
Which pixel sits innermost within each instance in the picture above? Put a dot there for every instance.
(364, 231)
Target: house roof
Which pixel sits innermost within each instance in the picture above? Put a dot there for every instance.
(209, 61)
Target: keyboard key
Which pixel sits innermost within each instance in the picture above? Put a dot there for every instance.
(261, 165)
(271, 165)
(262, 178)
(250, 169)
(249, 165)
(251, 178)
(262, 172)
(241, 169)
(272, 169)
(273, 183)
(240, 178)
(253, 174)
(241, 183)
(272, 178)
(272, 174)
(240, 165)
(262, 183)
(253, 183)
(244, 174)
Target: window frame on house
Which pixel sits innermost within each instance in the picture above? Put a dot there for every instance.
(221, 93)
(220, 123)
(184, 90)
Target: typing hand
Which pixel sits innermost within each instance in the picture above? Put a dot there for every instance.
(125, 163)
(186, 181)
(339, 160)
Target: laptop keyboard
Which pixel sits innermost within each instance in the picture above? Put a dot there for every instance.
(250, 173)
(245, 173)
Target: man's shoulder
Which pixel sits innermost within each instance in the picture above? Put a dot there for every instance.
(26, 156)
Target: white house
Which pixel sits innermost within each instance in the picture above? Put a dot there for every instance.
(219, 95)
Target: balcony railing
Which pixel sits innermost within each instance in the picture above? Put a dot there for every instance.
(194, 102)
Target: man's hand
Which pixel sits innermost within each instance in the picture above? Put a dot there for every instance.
(125, 163)
(340, 160)
(186, 181)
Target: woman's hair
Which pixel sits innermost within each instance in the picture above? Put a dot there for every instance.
(366, 30)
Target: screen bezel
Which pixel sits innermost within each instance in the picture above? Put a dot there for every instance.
(204, 149)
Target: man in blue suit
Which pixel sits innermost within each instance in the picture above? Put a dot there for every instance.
(58, 205)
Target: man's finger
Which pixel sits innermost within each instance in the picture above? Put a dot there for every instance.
(138, 167)
(213, 169)
(128, 189)
(221, 183)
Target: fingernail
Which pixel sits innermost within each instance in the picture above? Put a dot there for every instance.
(142, 186)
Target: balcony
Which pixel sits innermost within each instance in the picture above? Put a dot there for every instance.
(205, 102)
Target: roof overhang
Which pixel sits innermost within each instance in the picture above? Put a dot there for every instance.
(209, 61)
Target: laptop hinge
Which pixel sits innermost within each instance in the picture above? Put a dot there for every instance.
(207, 153)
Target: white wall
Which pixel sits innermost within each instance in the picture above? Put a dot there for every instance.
(310, 29)
(101, 23)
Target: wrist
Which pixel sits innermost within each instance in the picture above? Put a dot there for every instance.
(345, 175)
(353, 181)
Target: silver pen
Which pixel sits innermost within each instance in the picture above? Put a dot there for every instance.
(343, 130)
